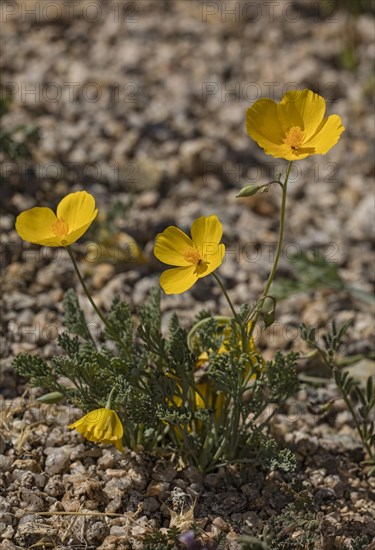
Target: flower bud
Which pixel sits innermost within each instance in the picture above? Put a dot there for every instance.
(249, 190)
(51, 398)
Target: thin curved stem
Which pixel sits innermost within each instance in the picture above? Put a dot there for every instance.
(200, 324)
(223, 289)
(237, 318)
(279, 247)
(83, 284)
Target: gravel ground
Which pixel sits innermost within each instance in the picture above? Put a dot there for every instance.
(144, 103)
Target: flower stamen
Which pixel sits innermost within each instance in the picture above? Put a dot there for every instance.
(192, 255)
(294, 137)
(60, 227)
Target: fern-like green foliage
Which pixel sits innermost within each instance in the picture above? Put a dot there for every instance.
(281, 375)
(74, 318)
(164, 389)
(162, 541)
(181, 360)
(36, 370)
(360, 401)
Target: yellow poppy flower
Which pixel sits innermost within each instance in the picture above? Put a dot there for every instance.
(295, 128)
(193, 257)
(101, 426)
(74, 215)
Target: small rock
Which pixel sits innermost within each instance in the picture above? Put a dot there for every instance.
(221, 524)
(26, 479)
(250, 491)
(96, 532)
(137, 477)
(214, 481)
(118, 531)
(158, 489)
(148, 199)
(114, 505)
(8, 535)
(55, 487)
(317, 477)
(56, 462)
(324, 495)
(164, 472)
(117, 487)
(355, 496)
(102, 274)
(361, 222)
(107, 460)
(253, 521)
(31, 500)
(335, 483)
(33, 532)
(28, 465)
(195, 489)
(333, 518)
(5, 463)
(193, 475)
(228, 503)
(114, 473)
(150, 505)
(306, 444)
(6, 517)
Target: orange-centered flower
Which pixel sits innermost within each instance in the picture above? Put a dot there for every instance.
(101, 426)
(295, 128)
(193, 257)
(74, 215)
(60, 228)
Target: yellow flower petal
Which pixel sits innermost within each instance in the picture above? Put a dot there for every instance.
(75, 213)
(205, 233)
(101, 426)
(193, 258)
(212, 260)
(35, 226)
(170, 246)
(78, 210)
(202, 359)
(301, 108)
(73, 236)
(178, 279)
(262, 124)
(293, 128)
(201, 395)
(327, 135)
(119, 446)
(282, 152)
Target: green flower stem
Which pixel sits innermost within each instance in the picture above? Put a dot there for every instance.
(231, 437)
(218, 280)
(279, 247)
(108, 404)
(86, 290)
(240, 323)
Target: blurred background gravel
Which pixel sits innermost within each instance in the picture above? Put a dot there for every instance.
(143, 104)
